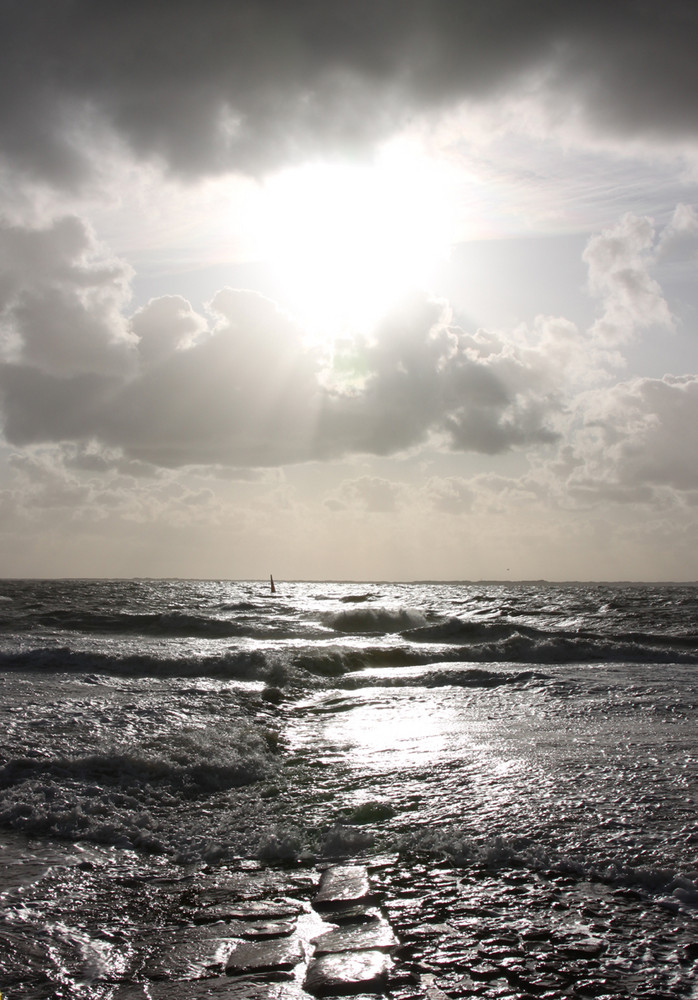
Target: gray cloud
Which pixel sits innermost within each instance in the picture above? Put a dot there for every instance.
(241, 387)
(619, 260)
(61, 301)
(369, 493)
(679, 240)
(451, 495)
(637, 439)
(216, 85)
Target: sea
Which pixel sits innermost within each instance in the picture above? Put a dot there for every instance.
(507, 771)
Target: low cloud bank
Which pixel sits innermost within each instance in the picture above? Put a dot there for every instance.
(242, 388)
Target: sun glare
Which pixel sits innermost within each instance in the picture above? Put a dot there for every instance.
(346, 241)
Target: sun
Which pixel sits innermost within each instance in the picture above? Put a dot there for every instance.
(345, 240)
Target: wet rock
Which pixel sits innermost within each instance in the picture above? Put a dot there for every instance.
(218, 989)
(347, 973)
(342, 886)
(189, 953)
(582, 949)
(589, 988)
(484, 971)
(536, 934)
(372, 812)
(261, 930)
(375, 936)
(355, 915)
(540, 983)
(382, 863)
(247, 883)
(278, 955)
(216, 915)
(431, 990)
(273, 695)
(257, 909)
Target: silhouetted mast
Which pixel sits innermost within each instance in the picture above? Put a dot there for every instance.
(271, 581)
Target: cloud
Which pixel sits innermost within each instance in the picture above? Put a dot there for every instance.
(253, 84)
(637, 440)
(164, 326)
(679, 240)
(246, 394)
(423, 377)
(240, 386)
(618, 260)
(44, 483)
(371, 493)
(451, 495)
(62, 301)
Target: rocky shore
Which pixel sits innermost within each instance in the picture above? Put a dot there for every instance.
(398, 927)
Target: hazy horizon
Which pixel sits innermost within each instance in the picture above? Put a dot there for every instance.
(264, 580)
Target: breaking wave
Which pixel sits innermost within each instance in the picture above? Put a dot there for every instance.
(493, 641)
(385, 620)
(251, 665)
(174, 624)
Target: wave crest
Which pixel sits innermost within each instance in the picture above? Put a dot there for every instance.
(385, 620)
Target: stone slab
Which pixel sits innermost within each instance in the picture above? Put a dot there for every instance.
(261, 930)
(271, 909)
(342, 886)
(276, 955)
(214, 989)
(184, 954)
(374, 936)
(354, 915)
(347, 973)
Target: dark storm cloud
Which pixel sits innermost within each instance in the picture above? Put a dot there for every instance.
(424, 377)
(61, 302)
(251, 84)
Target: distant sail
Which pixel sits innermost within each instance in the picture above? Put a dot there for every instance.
(271, 581)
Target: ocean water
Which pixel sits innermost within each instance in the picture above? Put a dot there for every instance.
(515, 765)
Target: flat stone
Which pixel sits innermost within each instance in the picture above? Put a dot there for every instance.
(342, 886)
(484, 970)
(381, 862)
(431, 990)
(355, 915)
(216, 915)
(378, 935)
(261, 930)
(272, 909)
(189, 953)
(346, 973)
(217, 989)
(279, 954)
(581, 949)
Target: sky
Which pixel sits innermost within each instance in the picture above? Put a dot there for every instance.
(374, 290)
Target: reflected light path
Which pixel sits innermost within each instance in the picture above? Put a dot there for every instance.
(435, 751)
(549, 774)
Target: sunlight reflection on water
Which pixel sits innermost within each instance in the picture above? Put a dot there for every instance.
(437, 748)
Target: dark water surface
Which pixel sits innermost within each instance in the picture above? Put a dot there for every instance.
(511, 768)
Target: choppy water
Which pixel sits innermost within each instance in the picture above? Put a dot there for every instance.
(522, 756)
